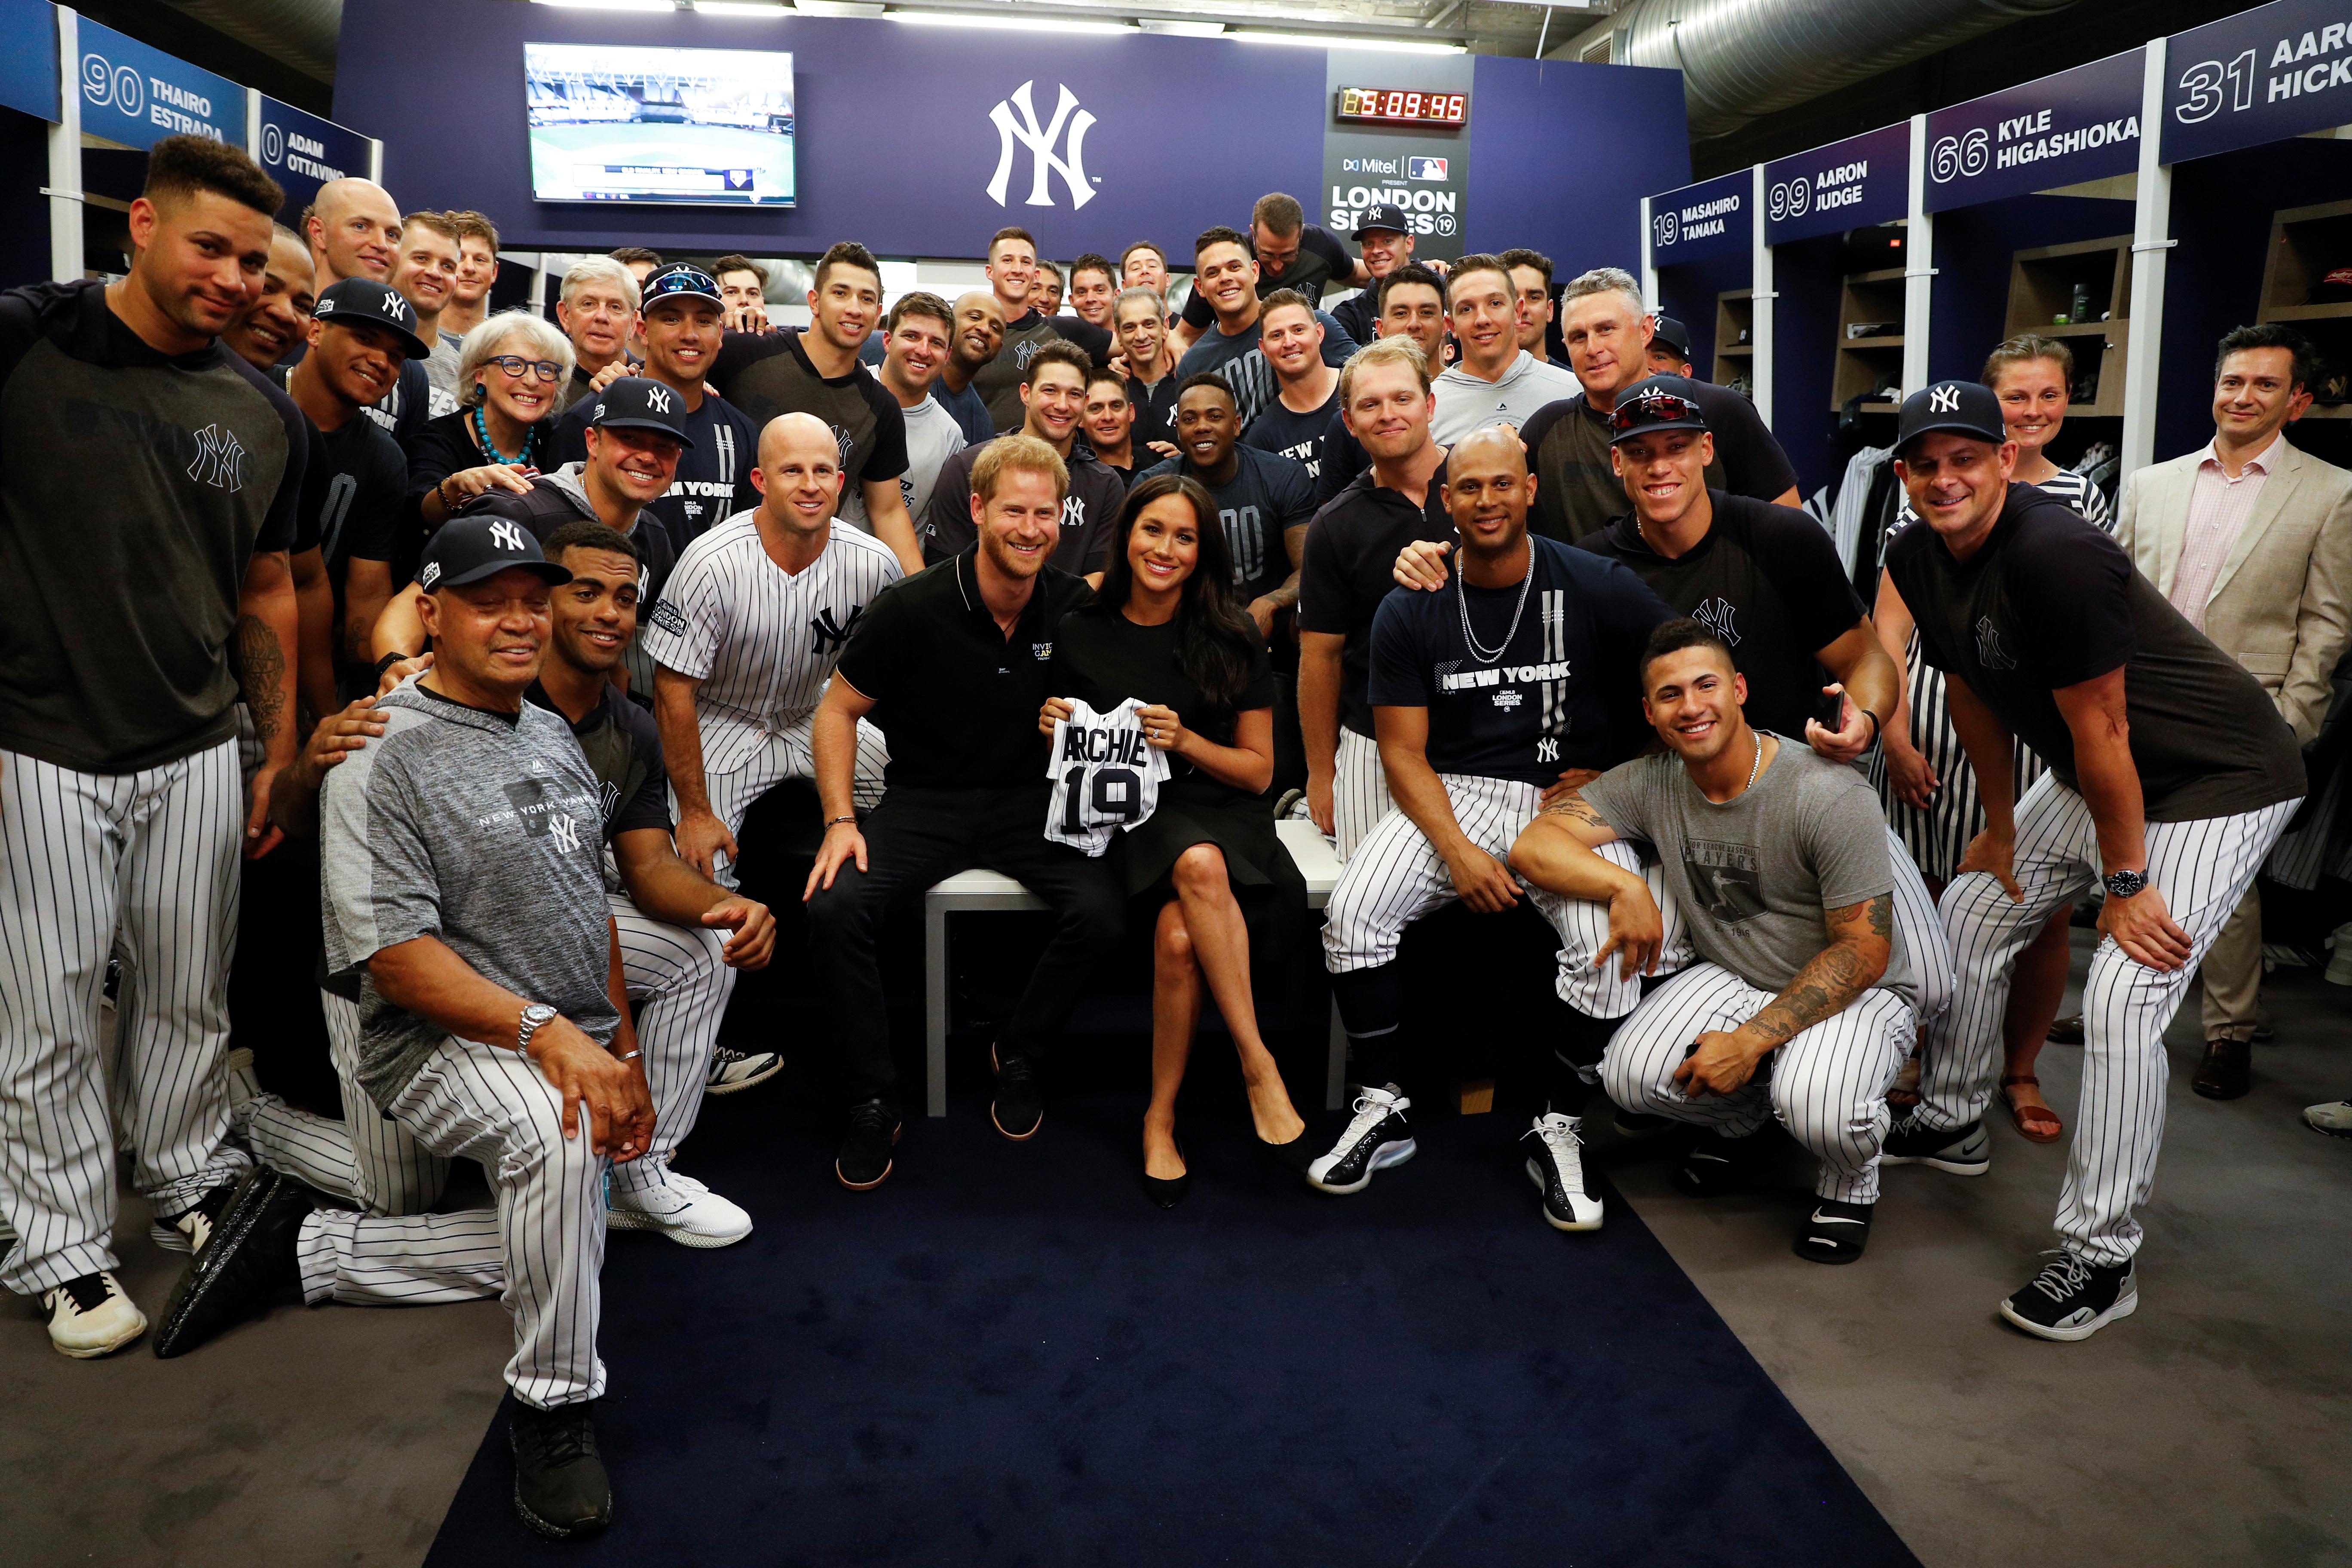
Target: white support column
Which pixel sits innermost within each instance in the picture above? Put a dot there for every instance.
(2151, 239)
(64, 189)
(1649, 265)
(1760, 308)
(1919, 268)
(253, 123)
(375, 159)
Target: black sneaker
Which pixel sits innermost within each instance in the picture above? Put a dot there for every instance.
(1962, 1151)
(1716, 1164)
(561, 1486)
(2070, 1299)
(1834, 1232)
(865, 1158)
(249, 1264)
(1019, 1109)
(1557, 1167)
(188, 1230)
(1376, 1139)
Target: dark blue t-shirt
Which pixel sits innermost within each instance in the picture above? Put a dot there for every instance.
(1298, 437)
(1553, 698)
(1268, 496)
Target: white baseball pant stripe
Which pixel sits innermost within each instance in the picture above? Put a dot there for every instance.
(144, 865)
(1360, 791)
(1395, 876)
(2203, 869)
(790, 753)
(397, 1255)
(1584, 926)
(1827, 1084)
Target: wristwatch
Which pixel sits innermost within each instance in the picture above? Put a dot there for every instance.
(534, 1015)
(2124, 884)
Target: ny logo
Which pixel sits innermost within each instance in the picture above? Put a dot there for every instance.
(825, 632)
(1944, 399)
(844, 440)
(1989, 653)
(1074, 512)
(1022, 353)
(1717, 616)
(1547, 750)
(565, 830)
(507, 536)
(220, 459)
(657, 399)
(1040, 143)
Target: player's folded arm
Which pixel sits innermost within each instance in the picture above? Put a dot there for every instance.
(1555, 851)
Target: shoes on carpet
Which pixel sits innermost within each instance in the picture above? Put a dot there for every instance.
(1834, 1232)
(1169, 1190)
(1962, 1151)
(681, 1208)
(865, 1158)
(2334, 1119)
(732, 1070)
(188, 1230)
(560, 1488)
(1376, 1138)
(2070, 1299)
(249, 1264)
(1019, 1107)
(2066, 1031)
(1556, 1167)
(90, 1317)
(2227, 1072)
(2340, 962)
(1716, 1164)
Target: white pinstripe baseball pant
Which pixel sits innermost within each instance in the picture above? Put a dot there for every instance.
(790, 753)
(1827, 1084)
(1360, 791)
(1395, 876)
(1584, 926)
(2202, 869)
(144, 865)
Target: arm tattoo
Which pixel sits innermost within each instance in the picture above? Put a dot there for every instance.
(1837, 974)
(260, 667)
(1573, 805)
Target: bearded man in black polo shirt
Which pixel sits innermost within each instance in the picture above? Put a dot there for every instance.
(2171, 775)
(951, 666)
(148, 485)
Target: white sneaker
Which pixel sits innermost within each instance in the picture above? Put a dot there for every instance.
(681, 1208)
(731, 1070)
(1376, 1139)
(90, 1317)
(2334, 1119)
(1557, 1167)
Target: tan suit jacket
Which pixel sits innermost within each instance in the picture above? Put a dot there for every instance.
(2281, 605)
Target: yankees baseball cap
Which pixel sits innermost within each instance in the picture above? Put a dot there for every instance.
(364, 302)
(679, 280)
(1660, 402)
(639, 403)
(1384, 215)
(1673, 334)
(468, 549)
(1961, 407)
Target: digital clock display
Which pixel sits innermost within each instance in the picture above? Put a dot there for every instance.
(1403, 106)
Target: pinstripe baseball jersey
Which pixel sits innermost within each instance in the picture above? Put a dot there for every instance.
(762, 641)
(1523, 681)
(714, 474)
(1106, 776)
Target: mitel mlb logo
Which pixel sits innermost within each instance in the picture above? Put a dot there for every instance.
(1424, 168)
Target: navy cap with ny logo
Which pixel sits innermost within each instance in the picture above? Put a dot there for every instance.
(640, 403)
(1957, 407)
(365, 303)
(481, 544)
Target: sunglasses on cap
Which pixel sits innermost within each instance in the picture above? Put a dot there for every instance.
(1655, 408)
(680, 280)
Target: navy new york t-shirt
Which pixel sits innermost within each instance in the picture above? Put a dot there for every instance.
(1553, 698)
(1268, 496)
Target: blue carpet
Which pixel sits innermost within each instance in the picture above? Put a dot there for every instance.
(1007, 1356)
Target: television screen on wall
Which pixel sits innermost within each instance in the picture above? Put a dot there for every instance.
(686, 127)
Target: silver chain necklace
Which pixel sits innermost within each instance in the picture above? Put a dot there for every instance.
(1758, 764)
(1461, 603)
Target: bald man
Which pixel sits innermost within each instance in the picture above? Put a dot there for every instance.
(744, 638)
(354, 230)
(979, 333)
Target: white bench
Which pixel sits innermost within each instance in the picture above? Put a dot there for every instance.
(971, 892)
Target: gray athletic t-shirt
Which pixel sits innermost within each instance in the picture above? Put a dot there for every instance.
(485, 830)
(1754, 874)
(932, 437)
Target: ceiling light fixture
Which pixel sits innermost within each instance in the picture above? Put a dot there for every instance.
(740, 8)
(1181, 29)
(1329, 41)
(609, 5)
(1007, 24)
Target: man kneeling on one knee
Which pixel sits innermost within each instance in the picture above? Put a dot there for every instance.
(1773, 867)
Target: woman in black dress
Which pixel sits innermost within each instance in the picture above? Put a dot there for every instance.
(1165, 630)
